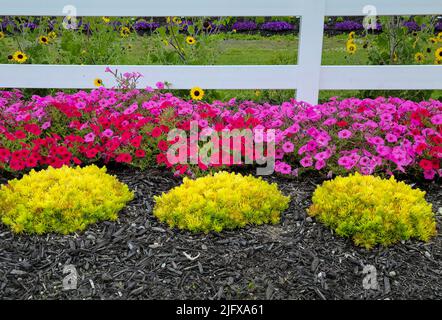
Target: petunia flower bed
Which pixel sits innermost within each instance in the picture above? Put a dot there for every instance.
(383, 136)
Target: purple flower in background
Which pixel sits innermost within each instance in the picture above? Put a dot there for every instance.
(244, 26)
(348, 25)
(412, 26)
(219, 27)
(211, 27)
(30, 25)
(277, 26)
(146, 26)
(116, 24)
(438, 27)
(5, 23)
(378, 27)
(184, 24)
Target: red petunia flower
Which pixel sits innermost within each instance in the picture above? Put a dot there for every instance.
(32, 129)
(161, 158)
(156, 132)
(426, 164)
(140, 153)
(163, 146)
(124, 158)
(91, 153)
(20, 134)
(136, 142)
(17, 165)
(342, 124)
(31, 162)
(164, 129)
(4, 154)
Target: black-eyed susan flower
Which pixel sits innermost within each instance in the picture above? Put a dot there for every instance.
(197, 93)
(124, 32)
(439, 62)
(19, 57)
(11, 57)
(190, 40)
(351, 47)
(2, 35)
(43, 40)
(105, 19)
(433, 40)
(439, 36)
(428, 50)
(438, 54)
(352, 35)
(419, 57)
(52, 35)
(176, 20)
(98, 82)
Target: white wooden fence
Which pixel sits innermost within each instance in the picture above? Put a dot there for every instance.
(308, 77)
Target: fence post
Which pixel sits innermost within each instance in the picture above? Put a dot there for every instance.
(311, 37)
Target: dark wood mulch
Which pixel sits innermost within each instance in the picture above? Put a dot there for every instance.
(139, 258)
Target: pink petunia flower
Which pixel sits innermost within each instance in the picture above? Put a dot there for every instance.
(306, 162)
(437, 119)
(391, 138)
(288, 147)
(344, 134)
(90, 137)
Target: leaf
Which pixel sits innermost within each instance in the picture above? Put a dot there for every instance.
(162, 32)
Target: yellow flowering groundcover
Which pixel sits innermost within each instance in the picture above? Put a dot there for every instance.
(221, 201)
(62, 200)
(372, 210)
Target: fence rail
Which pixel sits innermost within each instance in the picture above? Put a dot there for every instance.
(308, 77)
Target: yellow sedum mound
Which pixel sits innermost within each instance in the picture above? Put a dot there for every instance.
(222, 201)
(62, 200)
(373, 211)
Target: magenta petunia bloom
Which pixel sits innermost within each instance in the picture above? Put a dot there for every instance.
(108, 133)
(90, 137)
(437, 119)
(306, 162)
(391, 138)
(288, 147)
(344, 134)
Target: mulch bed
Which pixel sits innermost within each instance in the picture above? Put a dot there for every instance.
(139, 258)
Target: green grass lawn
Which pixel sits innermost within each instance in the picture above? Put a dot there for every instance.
(253, 50)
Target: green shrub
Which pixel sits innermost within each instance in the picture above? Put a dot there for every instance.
(61, 200)
(222, 201)
(373, 211)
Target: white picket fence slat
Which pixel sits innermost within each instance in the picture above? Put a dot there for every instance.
(182, 77)
(215, 8)
(308, 77)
